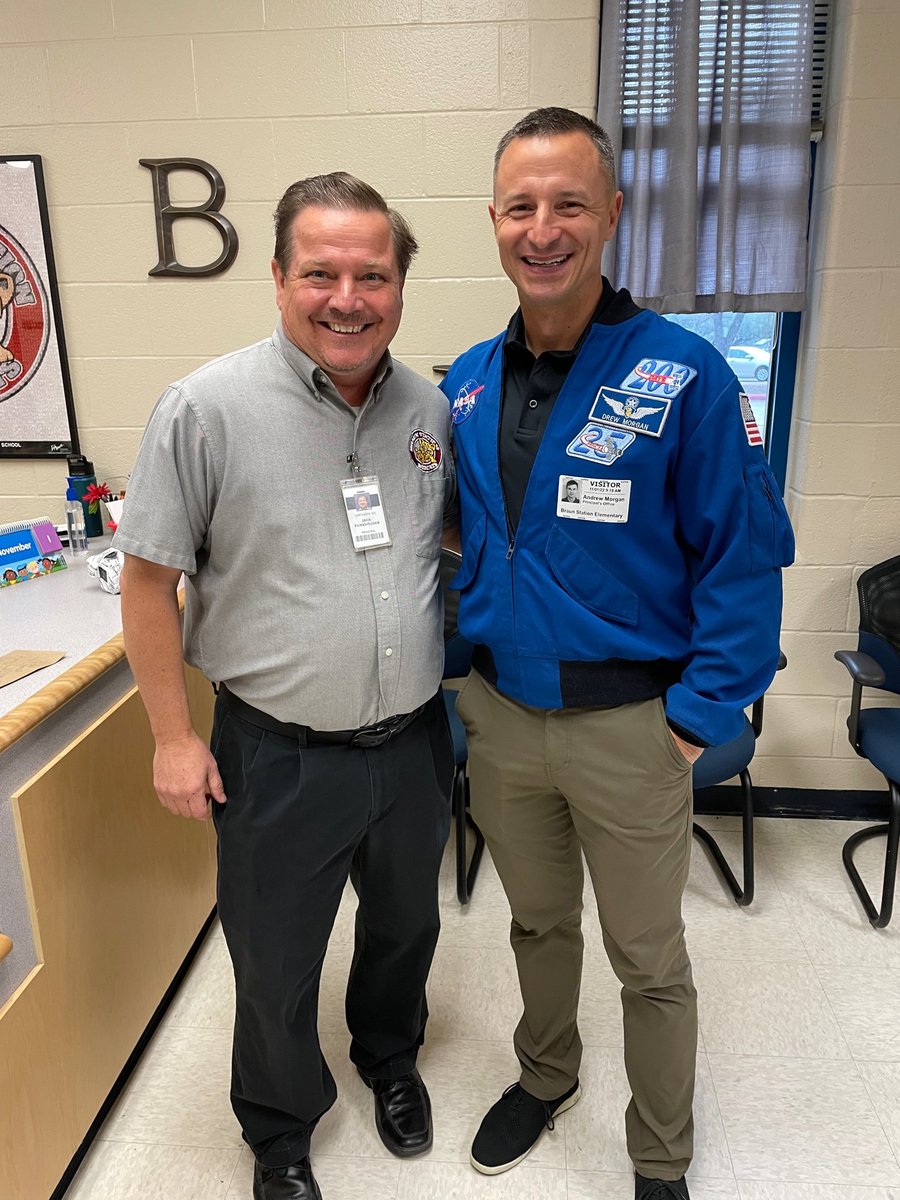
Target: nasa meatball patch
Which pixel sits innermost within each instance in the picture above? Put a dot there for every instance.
(466, 399)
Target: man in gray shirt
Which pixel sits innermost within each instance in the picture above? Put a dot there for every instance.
(321, 621)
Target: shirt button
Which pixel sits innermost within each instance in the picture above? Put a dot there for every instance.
(532, 403)
(388, 652)
(385, 595)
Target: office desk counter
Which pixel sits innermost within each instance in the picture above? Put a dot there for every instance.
(102, 891)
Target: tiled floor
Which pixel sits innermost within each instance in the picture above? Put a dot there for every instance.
(798, 1084)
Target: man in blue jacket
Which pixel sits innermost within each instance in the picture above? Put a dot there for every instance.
(616, 635)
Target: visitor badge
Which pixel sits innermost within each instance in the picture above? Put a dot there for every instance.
(365, 512)
(593, 499)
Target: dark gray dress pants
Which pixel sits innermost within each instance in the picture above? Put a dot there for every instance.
(298, 821)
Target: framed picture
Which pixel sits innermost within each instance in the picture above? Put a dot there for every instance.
(37, 416)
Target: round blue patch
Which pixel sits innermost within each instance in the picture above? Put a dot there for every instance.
(466, 400)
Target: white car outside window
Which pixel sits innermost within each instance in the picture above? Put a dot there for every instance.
(749, 362)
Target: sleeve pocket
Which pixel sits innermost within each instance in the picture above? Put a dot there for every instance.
(771, 536)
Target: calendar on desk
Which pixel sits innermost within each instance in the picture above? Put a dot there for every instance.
(29, 549)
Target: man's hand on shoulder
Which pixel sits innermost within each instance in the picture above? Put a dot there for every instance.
(186, 777)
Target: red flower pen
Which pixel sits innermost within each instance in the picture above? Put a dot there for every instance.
(94, 493)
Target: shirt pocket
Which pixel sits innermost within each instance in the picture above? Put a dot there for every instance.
(771, 536)
(426, 499)
(585, 579)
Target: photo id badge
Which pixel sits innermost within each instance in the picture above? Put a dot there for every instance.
(593, 499)
(365, 512)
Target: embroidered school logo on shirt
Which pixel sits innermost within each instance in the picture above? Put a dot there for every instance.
(625, 410)
(658, 376)
(600, 444)
(754, 437)
(466, 399)
(425, 450)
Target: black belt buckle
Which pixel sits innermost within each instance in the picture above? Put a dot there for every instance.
(377, 735)
(372, 735)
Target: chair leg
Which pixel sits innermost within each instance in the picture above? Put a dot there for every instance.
(877, 919)
(478, 849)
(465, 878)
(742, 895)
(459, 812)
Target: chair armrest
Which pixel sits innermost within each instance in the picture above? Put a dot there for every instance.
(864, 669)
(865, 672)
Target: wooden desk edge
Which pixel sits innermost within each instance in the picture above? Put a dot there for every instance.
(25, 716)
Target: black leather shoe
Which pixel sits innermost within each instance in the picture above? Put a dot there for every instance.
(402, 1114)
(295, 1182)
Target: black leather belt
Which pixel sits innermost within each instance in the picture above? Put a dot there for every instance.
(366, 737)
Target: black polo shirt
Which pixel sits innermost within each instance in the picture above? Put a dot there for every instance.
(530, 388)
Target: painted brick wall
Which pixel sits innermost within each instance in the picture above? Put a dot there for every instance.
(844, 472)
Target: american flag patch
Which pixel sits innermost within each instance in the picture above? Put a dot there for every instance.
(754, 437)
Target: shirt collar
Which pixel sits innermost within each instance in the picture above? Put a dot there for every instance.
(316, 379)
(515, 332)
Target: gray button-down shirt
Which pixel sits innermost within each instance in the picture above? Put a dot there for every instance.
(237, 483)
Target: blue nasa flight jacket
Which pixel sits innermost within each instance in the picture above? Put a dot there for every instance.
(670, 556)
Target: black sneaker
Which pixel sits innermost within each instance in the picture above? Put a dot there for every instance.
(660, 1189)
(513, 1127)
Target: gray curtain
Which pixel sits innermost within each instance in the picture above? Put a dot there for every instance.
(708, 105)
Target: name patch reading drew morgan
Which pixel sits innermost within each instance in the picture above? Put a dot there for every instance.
(425, 450)
(628, 410)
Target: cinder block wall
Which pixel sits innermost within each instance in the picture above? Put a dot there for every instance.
(844, 473)
(412, 95)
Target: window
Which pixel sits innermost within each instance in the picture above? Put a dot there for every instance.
(711, 106)
(747, 341)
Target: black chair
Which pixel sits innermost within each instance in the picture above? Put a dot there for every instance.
(457, 662)
(875, 732)
(717, 765)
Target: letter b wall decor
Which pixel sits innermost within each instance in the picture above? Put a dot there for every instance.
(167, 214)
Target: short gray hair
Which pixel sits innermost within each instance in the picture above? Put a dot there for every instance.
(549, 122)
(339, 190)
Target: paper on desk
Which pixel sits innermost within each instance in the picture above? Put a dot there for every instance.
(18, 663)
(114, 508)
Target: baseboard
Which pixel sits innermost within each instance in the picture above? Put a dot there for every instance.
(814, 803)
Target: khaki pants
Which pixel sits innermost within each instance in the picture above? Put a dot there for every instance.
(611, 782)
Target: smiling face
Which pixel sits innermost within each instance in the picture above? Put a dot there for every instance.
(553, 212)
(342, 296)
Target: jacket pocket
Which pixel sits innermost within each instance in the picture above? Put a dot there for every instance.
(471, 555)
(771, 536)
(585, 579)
(426, 499)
